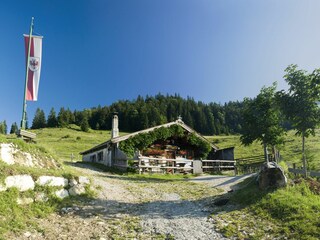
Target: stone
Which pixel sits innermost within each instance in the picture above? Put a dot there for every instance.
(72, 182)
(27, 234)
(3, 188)
(271, 175)
(41, 197)
(84, 180)
(21, 182)
(52, 181)
(62, 193)
(6, 154)
(77, 190)
(24, 201)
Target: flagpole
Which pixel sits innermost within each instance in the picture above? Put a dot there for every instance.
(24, 109)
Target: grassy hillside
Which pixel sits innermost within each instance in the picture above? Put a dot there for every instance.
(291, 212)
(62, 142)
(290, 151)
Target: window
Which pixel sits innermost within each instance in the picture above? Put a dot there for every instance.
(100, 156)
(93, 158)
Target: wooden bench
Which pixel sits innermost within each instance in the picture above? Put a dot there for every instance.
(27, 136)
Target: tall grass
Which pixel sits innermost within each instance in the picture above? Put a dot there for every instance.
(292, 212)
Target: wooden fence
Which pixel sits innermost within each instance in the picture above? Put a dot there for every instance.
(218, 165)
(251, 164)
(158, 165)
(301, 172)
(165, 165)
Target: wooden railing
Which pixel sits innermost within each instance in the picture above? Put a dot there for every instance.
(251, 164)
(296, 171)
(218, 165)
(164, 165)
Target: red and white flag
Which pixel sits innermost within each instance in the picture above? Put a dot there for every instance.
(34, 66)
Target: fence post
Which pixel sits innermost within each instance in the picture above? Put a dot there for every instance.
(197, 167)
(235, 168)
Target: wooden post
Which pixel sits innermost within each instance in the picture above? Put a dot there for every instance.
(235, 168)
(304, 160)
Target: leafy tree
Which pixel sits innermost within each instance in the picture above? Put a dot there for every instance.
(39, 120)
(14, 128)
(261, 120)
(299, 103)
(52, 121)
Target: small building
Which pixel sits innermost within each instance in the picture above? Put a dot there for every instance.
(173, 141)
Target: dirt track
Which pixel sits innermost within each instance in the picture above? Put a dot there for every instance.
(137, 209)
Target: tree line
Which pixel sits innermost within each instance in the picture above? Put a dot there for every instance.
(142, 113)
(4, 128)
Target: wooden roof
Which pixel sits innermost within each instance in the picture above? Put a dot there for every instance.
(178, 122)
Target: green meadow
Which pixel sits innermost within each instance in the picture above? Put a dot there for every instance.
(290, 212)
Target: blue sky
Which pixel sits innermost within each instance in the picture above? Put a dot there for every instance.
(100, 51)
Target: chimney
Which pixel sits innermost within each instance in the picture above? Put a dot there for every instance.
(115, 126)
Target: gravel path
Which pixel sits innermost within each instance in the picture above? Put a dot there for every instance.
(222, 182)
(137, 209)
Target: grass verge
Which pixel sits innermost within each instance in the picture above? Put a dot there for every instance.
(292, 212)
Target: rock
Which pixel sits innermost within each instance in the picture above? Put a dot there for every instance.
(41, 197)
(24, 201)
(6, 154)
(62, 193)
(271, 175)
(52, 181)
(77, 190)
(72, 182)
(84, 180)
(2, 188)
(27, 234)
(21, 182)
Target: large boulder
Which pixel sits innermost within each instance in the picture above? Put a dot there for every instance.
(21, 182)
(271, 175)
(52, 181)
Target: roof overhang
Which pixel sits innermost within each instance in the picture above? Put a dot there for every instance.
(178, 122)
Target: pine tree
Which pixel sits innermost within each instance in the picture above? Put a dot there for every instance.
(84, 123)
(52, 119)
(14, 128)
(5, 127)
(39, 120)
(2, 128)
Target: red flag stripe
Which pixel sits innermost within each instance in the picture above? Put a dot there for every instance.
(30, 87)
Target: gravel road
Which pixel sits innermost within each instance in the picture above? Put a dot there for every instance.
(137, 209)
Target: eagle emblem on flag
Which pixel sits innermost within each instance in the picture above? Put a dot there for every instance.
(34, 64)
